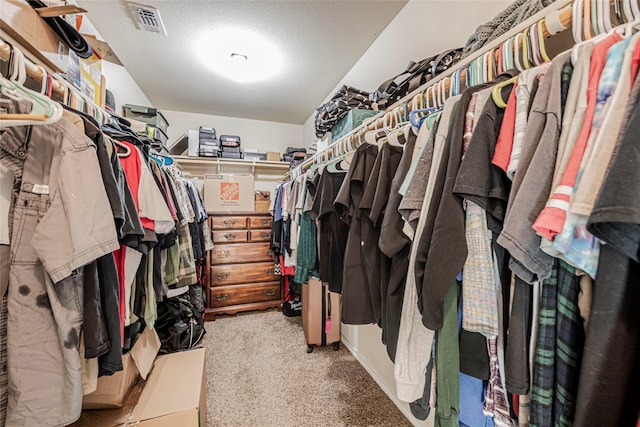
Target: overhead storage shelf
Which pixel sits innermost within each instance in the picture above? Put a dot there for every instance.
(198, 166)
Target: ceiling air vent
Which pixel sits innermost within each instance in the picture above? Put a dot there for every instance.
(147, 18)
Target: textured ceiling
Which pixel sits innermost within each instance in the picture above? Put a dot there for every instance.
(320, 40)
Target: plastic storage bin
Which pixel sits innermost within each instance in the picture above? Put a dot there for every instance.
(149, 115)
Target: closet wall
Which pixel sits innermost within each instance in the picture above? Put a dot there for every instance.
(260, 134)
(416, 32)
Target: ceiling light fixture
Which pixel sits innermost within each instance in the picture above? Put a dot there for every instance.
(239, 54)
(239, 57)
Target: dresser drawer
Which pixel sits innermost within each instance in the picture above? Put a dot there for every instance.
(259, 235)
(228, 222)
(256, 222)
(236, 254)
(230, 236)
(243, 273)
(223, 296)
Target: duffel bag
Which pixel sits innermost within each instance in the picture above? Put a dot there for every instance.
(415, 75)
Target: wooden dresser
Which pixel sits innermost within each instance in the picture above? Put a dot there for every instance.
(241, 274)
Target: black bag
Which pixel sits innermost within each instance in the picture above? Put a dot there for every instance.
(179, 325)
(329, 113)
(415, 75)
(291, 150)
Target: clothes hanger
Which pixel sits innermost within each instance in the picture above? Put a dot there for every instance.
(603, 16)
(525, 49)
(586, 19)
(541, 44)
(576, 21)
(43, 109)
(635, 9)
(534, 33)
(595, 24)
(393, 138)
(617, 9)
(516, 52)
(496, 92)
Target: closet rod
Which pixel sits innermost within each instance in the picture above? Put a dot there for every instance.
(565, 15)
(34, 71)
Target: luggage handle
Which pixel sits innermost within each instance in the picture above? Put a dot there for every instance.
(270, 292)
(223, 254)
(221, 297)
(222, 276)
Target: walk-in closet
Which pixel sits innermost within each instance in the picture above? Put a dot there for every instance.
(319, 213)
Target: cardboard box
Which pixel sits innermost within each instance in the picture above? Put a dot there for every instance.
(273, 156)
(23, 24)
(262, 196)
(229, 193)
(263, 206)
(113, 390)
(174, 395)
(91, 79)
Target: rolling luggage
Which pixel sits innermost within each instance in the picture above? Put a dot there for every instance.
(320, 315)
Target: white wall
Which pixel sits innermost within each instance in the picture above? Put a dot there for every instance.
(263, 135)
(125, 90)
(422, 28)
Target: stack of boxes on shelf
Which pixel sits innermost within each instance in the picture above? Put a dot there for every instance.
(157, 125)
(231, 147)
(208, 143)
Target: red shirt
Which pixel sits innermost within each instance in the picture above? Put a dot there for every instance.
(502, 153)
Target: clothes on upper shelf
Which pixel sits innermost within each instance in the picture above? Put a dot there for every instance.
(95, 231)
(497, 248)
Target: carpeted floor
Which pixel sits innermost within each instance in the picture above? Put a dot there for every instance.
(259, 374)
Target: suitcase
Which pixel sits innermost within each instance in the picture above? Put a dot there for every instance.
(320, 315)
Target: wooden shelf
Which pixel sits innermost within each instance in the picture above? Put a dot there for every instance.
(198, 166)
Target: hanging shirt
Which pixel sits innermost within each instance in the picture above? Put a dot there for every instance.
(579, 247)
(524, 95)
(152, 204)
(504, 144)
(551, 220)
(6, 190)
(356, 299)
(532, 182)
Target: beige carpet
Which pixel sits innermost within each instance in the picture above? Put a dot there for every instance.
(259, 374)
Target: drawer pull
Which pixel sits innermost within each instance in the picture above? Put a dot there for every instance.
(266, 235)
(222, 276)
(270, 292)
(270, 253)
(266, 222)
(222, 254)
(230, 236)
(270, 271)
(222, 297)
(229, 222)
